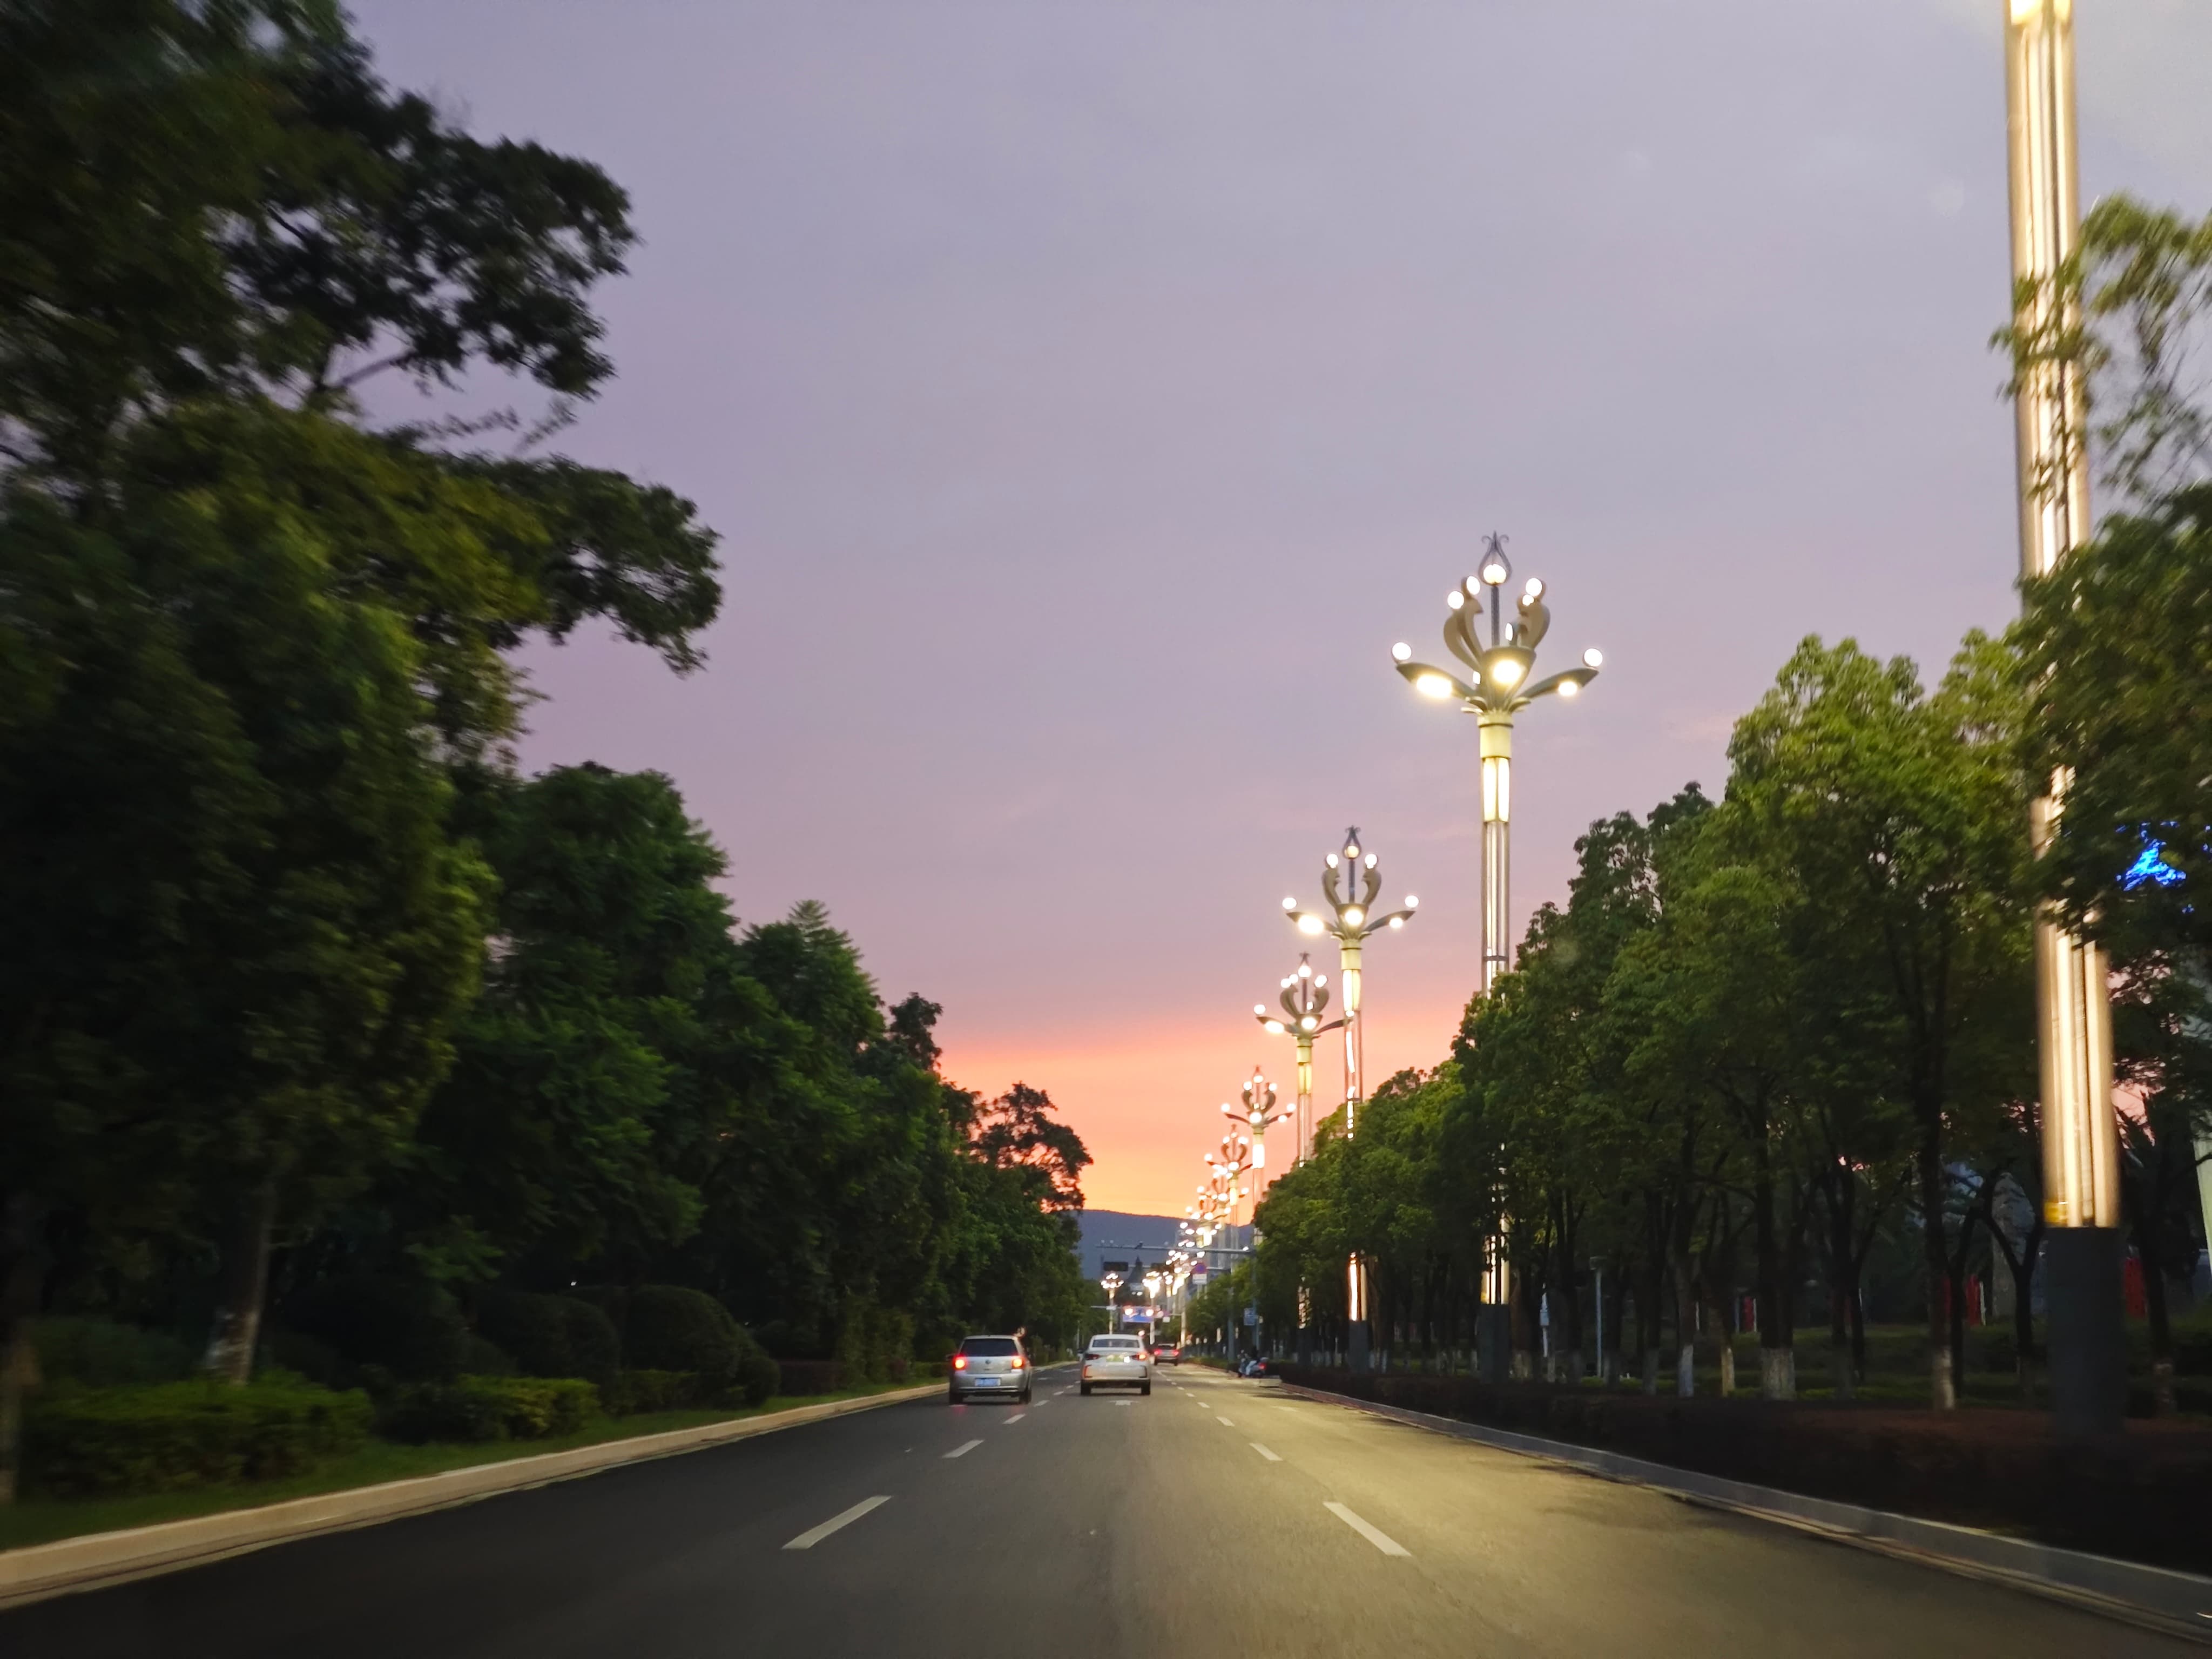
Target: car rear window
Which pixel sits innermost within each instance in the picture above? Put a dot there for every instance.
(1114, 1344)
(990, 1347)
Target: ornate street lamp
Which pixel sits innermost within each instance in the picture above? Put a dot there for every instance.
(1257, 1112)
(1501, 688)
(1350, 884)
(1304, 999)
(2080, 1135)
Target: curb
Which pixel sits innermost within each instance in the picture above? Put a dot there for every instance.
(98, 1559)
(2154, 1598)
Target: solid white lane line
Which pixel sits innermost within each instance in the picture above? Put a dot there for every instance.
(962, 1450)
(1017, 1417)
(813, 1536)
(1265, 1453)
(1380, 1539)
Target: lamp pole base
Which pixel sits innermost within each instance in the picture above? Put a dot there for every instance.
(1494, 1342)
(2089, 1333)
(1356, 1348)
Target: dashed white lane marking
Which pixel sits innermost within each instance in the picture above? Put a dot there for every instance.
(813, 1536)
(1265, 1453)
(1017, 1417)
(1226, 1423)
(1380, 1539)
(962, 1450)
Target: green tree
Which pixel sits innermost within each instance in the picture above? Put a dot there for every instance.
(1900, 813)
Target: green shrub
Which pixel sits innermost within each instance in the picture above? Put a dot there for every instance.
(758, 1376)
(490, 1408)
(482, 1357)
(804, 1377)
(668, 1328)
(594, 1344)
(656, 1391)
(404, 1325)
(102, 1354)
(551, 1335)
(162, 1438)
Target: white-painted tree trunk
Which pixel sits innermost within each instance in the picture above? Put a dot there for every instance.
(1685, 1370)
(1777, 1373)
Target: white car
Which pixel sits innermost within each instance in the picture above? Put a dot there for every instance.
(1117, 1362)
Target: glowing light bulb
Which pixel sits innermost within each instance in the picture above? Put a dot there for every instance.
(1402, 651)
(1593, 657)
(1309, 924)
(1431, 685)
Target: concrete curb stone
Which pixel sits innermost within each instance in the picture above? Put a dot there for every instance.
(2155, 1598)
(98, 1559)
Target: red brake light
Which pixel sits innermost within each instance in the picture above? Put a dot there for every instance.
(959, 1362)
(1018, 1362)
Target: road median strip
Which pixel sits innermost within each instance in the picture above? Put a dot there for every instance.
(93, 1560)
(2155, 1598)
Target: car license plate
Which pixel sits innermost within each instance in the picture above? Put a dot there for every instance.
(987, 1381)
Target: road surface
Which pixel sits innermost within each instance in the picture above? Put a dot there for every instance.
(1217, 1517)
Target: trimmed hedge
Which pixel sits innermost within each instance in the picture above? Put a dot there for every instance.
(551, 1335)
(657, 1391)
(102, 1354)
(802, 1376)
(490, 1408)
(408, 1327)
(668, 1328)
(172, 1436)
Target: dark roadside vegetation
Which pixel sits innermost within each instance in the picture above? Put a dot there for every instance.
(2139, 1497)
(362, 1096)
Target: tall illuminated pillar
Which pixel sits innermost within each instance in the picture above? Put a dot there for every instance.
(1501, 688)
(1349, 885)
(2080, 1140)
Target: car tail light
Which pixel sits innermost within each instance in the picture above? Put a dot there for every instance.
(960, 1362)
(1016, 1365)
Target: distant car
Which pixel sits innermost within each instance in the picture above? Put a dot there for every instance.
(989, 1365)
(1171, 1355)
(1117, 1362)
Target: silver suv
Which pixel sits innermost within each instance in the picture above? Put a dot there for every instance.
(988, 1365)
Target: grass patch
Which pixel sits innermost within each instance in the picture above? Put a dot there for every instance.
(38, 1520)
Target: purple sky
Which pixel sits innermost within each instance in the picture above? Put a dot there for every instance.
(1089, 392)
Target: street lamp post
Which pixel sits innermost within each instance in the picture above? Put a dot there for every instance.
(1258, 1111)
(1110, 1283)
(1304, 999)
(2080, 1138)
(1350, 884)
(1501, 687)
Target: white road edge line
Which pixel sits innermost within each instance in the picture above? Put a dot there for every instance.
(962, 1450)
(1380, 1539)
(1265, 1453)
(813, 1536)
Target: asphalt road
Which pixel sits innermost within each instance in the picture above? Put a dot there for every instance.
(1216, 1517)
